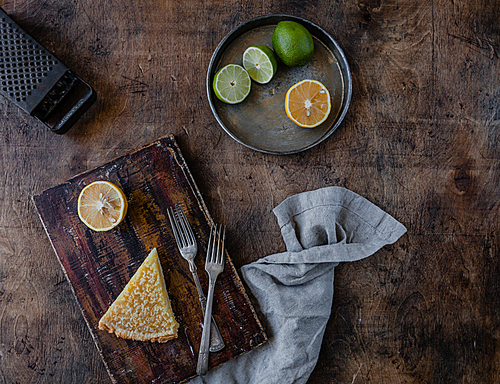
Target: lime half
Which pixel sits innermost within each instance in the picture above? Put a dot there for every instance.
(232, 84)
(260, 63)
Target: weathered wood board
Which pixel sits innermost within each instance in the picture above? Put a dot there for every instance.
(99, 264)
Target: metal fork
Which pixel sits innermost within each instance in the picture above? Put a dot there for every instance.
(188, 248)
(214, 265)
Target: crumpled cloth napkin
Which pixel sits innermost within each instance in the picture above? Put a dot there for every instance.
(294, 289)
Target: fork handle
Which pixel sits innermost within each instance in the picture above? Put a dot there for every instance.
(202, 367)
(216, 342)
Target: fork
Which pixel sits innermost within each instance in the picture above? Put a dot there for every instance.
(188, 248)
(214, 265)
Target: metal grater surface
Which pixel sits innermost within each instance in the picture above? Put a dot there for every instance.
(27, 70)
(38, 83)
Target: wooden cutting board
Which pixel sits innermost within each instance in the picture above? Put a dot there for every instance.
(99, 264)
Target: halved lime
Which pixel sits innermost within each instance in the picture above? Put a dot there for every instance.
(232, 84)
(260, 63)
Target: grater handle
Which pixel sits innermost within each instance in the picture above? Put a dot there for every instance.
(76, 111)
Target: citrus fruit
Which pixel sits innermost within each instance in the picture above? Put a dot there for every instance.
(102, 205)
(292, 43)
(260, 63)
(307, 103)
(232, 84)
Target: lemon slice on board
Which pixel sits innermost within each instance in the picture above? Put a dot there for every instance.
(260, 63)
(102, 205)
(232, 84)
(307, 103)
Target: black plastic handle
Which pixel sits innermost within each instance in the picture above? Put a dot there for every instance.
(78, 109)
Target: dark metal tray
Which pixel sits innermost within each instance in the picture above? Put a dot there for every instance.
(260, 121)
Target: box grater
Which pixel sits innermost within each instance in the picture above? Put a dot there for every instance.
(38, 83)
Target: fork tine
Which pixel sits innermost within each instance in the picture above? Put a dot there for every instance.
(219, 245)
(220, 258)
(215, 247)
(181, 226)
(175, 228)
(217, 236)
(187, 230)
(210, 245)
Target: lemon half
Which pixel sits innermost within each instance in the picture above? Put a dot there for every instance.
(307, 103)
(102, 205)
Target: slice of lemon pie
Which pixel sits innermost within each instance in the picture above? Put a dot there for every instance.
(142, 311)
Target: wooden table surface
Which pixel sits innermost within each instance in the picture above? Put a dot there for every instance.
(420, 140)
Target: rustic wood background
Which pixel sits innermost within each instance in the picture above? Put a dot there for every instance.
(420, 140)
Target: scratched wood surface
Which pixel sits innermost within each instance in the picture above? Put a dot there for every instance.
(98, 265)
(420, 140)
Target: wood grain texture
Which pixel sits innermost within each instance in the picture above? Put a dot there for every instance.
(420, 140)
(99, 264)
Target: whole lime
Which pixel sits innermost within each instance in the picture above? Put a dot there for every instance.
(292, 43)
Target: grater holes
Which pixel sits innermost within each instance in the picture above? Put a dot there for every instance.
(18, 50)
(18, 90)
(24, 64)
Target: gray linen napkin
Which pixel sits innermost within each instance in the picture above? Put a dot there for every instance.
(293, 290)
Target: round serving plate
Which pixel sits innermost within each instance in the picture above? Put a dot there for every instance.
(260, 121)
